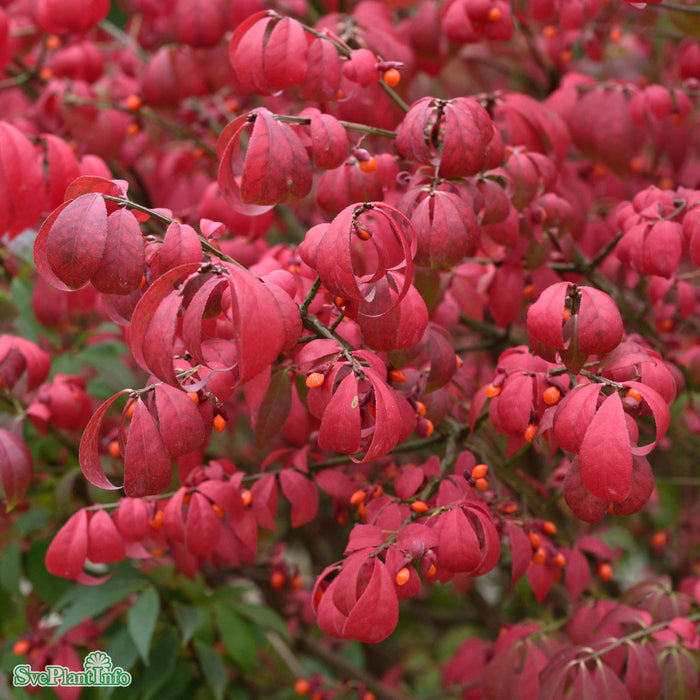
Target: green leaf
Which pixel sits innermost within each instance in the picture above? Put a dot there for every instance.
(164, 656)
(275, 407)
(212, 667)
(121, 649)
(141, 620)
(264, 617)
(189, 619)
(11, 567)
(81, 602)
(32, 521)
(49, 588)
(238, 638)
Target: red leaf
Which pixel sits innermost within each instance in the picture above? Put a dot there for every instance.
(642, 674)
(301, 492)
(582, 502)
(578, 573)
(21, 181)
(181, 245)
(275, 407)
(507, 284)
(660, 411)
(76, 240)
(521, 550)
(329, 141)
(147, 467)
(88, 454)
(105, 544)
(132, 519)
(340, 424)
(388, 422)
(16, 468)
(276, 169)
(121, 267)
(203, 526)
(544, 317)
(605, 458)
(600, 324)
(574, 415)
(322, 78)
(459, 549)
(180, 422)
(285, 54)
(67, 552)
(264, 505)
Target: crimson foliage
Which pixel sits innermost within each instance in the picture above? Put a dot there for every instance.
(334, 304)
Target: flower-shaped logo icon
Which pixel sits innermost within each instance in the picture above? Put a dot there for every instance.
(97, 659)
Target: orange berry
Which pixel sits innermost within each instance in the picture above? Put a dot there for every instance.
(113, 449)
(659, 540)
(530, 432)
(509, 508)
(539, 556)
(368, 166)
(429, 427)
(529, 291)
(368, 695)
(551, 395)
(402, 576)
(339, 95)
(378, 491)
(615, 34)
(358, 497)
(314, 380)
(421, 410)
(605, 572)
(198, 153)
(132, 129)
(666, 325)
(20, 647)
(392, 77)
(297, 582)
(362, 511)
(549, 32)
(130, 408)
(318, 695)
(480, 471)
(46, 74)
(534, 540)
(339, 302)
(565, 56)
(186, 499)
(566, 315)
(492, 391)
(481, 484)
(156, 521)
(396, 375)
(634, 394)
(158, 552)
(219, 423)
(302, 686)
(549, 527)
(363, 233)
(277, 580)
(419, 506)
(52, 42)
(194, 396)
(246, 497)
(133, 103)
(458, 361)
(431, 571)
(559, 559)
(494, 14)
(218, 510)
